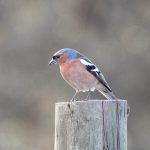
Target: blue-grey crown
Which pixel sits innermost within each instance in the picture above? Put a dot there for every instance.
(71, 52)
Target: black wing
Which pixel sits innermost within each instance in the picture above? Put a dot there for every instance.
(94, 71)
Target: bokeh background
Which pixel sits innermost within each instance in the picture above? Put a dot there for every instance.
(114, 34)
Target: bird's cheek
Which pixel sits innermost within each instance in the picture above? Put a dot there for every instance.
(63, 59)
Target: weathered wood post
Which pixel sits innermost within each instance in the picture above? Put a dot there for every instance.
(91, 125)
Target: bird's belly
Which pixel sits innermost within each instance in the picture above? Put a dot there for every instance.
(83, 83)
(79, 78)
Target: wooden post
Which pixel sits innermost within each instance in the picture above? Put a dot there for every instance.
(91, 125)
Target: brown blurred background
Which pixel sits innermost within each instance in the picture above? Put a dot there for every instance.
(114, 34)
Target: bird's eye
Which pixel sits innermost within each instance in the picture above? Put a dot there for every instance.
(56, 57)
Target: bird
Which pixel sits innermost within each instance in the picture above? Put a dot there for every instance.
(80, 73)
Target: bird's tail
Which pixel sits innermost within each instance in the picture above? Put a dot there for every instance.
(109, 95)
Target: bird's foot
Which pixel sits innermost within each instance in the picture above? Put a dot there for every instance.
(88, 96)
(73, 100)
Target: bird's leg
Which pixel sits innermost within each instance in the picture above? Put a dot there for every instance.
(88, 96)
(73, 98)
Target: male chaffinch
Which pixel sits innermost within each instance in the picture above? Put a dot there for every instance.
(80, 73)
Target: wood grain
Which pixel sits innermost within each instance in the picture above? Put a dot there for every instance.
(91, 125)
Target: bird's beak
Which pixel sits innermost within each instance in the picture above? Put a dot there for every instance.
(52, 61)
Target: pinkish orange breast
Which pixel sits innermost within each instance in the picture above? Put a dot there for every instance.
(67, 70)
(75, 73)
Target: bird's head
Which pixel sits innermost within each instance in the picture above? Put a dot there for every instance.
(64, 55)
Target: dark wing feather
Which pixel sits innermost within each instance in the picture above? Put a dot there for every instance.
(94, 71)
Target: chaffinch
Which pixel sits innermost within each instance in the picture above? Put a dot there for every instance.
(80, 73)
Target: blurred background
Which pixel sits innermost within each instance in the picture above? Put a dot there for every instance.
(114, 34)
